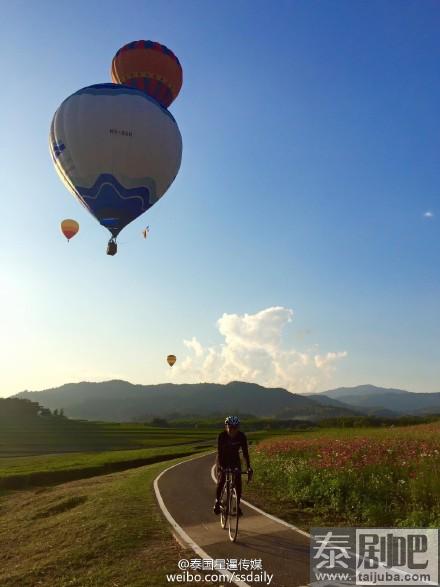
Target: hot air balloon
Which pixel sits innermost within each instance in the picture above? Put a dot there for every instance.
(150, 67)
(69, 228)
(171, 359)
(117, 150)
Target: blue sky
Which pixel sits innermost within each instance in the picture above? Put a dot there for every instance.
(311, 151)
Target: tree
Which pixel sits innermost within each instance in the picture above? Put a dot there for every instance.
(160, 422)
(13, 409)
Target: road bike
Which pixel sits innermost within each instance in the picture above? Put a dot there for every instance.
(229, 503)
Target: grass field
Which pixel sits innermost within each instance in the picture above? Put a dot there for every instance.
(65, 450)
(106, 531)
(367, 476)
(102, 527)
(58, 450)
(21, 472)
(61, 435)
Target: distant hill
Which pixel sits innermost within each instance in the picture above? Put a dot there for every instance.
(375, 410)
(341, 393)
(122, 401)
(382, 401)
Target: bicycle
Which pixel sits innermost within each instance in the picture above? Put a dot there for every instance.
(229, 503)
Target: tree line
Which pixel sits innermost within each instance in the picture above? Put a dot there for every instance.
(16, 409)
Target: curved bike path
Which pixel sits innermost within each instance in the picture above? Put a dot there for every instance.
(186, 495)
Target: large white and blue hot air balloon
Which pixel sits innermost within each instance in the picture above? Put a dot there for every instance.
(117, 150)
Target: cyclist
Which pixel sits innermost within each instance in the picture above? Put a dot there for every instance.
(228, 456)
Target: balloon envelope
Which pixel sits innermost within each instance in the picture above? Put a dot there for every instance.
(69, 228)
(116, 150)
(150, 67)
(171, 359)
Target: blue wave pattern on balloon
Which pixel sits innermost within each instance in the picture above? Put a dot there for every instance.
(120, 89)
(113, 205)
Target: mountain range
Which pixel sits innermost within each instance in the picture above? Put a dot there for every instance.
(121, 401)
(382, 401)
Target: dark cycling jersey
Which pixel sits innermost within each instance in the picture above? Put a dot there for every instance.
(228, 454)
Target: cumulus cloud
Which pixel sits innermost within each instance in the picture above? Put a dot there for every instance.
(194, 345)
(326, 361)
(253, 350)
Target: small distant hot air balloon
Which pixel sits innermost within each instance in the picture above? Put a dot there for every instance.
(69, 228)
(145, 232)
(171, 359)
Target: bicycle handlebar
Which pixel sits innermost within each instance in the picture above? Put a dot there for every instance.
(230, 470)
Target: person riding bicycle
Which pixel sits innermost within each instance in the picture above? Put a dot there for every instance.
(228, 456)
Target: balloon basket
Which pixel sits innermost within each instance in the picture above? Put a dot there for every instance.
(112, 247)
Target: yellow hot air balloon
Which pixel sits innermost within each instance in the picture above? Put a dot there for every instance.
(69, 228)
(171, 359)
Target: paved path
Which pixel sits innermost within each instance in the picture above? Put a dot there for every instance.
(186, 492)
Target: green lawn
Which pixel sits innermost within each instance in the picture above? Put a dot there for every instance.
(20, 472)
(106, 531)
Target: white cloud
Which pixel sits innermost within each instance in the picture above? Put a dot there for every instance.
(252, 350)
(428, 214)
(326, 361)
(194, 345)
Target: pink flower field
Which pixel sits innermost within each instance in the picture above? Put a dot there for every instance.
(357, 453)
(367, 476)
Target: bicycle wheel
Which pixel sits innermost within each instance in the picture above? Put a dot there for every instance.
(233, 515)
(224, 506)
